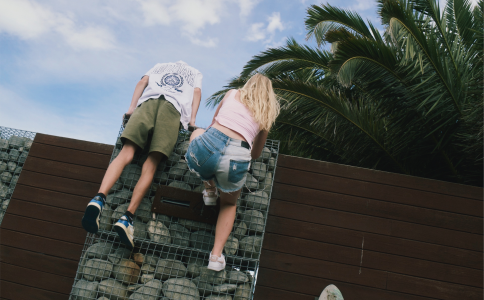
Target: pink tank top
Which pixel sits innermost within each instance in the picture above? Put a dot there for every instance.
(237, 117)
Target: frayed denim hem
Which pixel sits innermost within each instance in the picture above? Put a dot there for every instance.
(195, 172)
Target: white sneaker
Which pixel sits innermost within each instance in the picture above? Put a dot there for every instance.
(210, 198)
(216, 263)
(125, 231)
(331, 292)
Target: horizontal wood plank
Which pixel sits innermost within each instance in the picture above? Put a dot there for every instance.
(15, 291)
(74, 144)
(413, 182)
(267, 293)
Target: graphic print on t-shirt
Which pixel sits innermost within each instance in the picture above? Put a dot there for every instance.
(171, 82)
(180, 71)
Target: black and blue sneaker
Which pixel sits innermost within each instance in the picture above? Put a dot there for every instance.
(125, 229)
(90, 220)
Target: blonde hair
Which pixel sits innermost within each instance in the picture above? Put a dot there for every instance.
(258, 96)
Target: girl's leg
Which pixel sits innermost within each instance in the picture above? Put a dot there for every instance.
(225, 221)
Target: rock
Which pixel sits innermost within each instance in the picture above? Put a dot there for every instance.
(103, 298)
(240, 229)
(140, 230)
(266, 154)
(147, 269)
(178, 170)
(149, 291)
(250, 246)
(6, 177)
(199, 188)
(191, 178)
(99, 250)
(134, 287)
(194, 265)
(11, 166)
(118, 254)
(3, 144)
(113, 290)
(242, 292)
(126, 271)
(251, 183)
(14, 180)
(3, 155)
(130, 175)
(202, 240)
(16, 142)
(254, 220)
(28, 144)
(105, 221)
(180, 185)
(249, 276)
(266, 184)
(219, 297)
(151, 260)
(170, 255)
(212, 277)
(163, 219)
(182, 147)
(160, 177)
(4, 190)
(118, 186)
(13, 154)
(194, 225)
(84, 290)
(119, 212)
(139, 258)
(180, 289)
(17, 170)
(147, 277)
(23, 157)
(144, 210)
(173, 159)
(97, 269)
(224, 288)
(203, 287)
(256, 200)
(170, 268)
(236, 277)
(271, 164)
(3, 166)
(232, 245)
(259, 170)
(158, 232)
(5, 204)
(179, 235)
(118, 198)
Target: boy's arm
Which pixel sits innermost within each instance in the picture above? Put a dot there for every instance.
(138, 91)
(197, 97)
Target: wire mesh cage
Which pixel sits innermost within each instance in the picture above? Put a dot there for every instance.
(171, 253)
(14, 148)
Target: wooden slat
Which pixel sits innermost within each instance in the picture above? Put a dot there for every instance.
(377, 208)
(40, 244)
(38, 261)
(413, 182)
(58, 184)
(15, 291)
(44, 229)
(45, 213)
(373, 259)
(380, 243)
(66, 170)
(379, 191)
(52, 198)
(36, 279)
(297, 283)
(74, 144)
(432, 288)
(322, 269)
(72, 156)
(267, 293)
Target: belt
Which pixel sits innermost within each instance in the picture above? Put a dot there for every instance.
(245, 145)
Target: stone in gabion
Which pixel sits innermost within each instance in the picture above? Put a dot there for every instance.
(256, 200)
(6, 176)
(119, 212)
(105, 221)
(170, 268)
(250, 246)
(178, 170)
(194, 225)
(170, 256)
(130, 175)
(16, 142)
(219, 297)
(204, 288)
(173, 159)
(224, 288)
(27, 143)
(118, 185)
(139, 258)
(149, 291)
(118, 198)
(182, 148)
(150, 260)
(266, 154)
(140, 230)
(133, 287)
(158, 232)
(18, 170)
(97, 269)
(179, 235)
(240, 229)
(254, 220)
(236, 277)
(163, 219)
(23, 157)
(14, 180)
(265, 185)
(259, 170)
(249, 276)
(4, 190)
(84, 290)
(103, 298)
(180, 289)
(3, 166)
(147, 278)
(160, 177)
(212, 277)
(191, 178)
(193, 266)
(118, 254)
(3, 144)
(147, 269)
(113, 290)
(11, 166)
(242, 292)
(14, 154)
(231, 245)
(144, 210)
(99, 250)
(271, 164)
(126, 271)
(180, 185)
(202, 240)
(3, 155)
(251, 183)
(5, 204)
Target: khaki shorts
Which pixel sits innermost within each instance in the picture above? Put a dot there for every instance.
(154, 125)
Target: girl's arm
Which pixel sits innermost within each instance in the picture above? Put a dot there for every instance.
(218, 108)
(259, 143)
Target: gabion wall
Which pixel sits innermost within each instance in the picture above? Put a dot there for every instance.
(171, 254)
(14, 149)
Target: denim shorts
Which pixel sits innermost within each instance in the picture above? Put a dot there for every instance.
(213, 155)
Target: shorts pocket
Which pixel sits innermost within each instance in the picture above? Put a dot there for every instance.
(199, 152)
(237, 170)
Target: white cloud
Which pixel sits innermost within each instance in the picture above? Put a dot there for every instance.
(266, 33)
(155, 12)
(246, 7)
(256, 32)
(275, 23)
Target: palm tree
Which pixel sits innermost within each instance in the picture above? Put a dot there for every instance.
(407, 100)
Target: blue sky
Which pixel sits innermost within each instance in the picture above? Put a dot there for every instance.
(69, 68)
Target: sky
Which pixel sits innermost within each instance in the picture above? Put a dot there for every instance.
(69, 68)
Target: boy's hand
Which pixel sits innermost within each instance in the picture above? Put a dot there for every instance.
(126, 117)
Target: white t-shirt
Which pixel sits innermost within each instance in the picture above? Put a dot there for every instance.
(176, 81)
